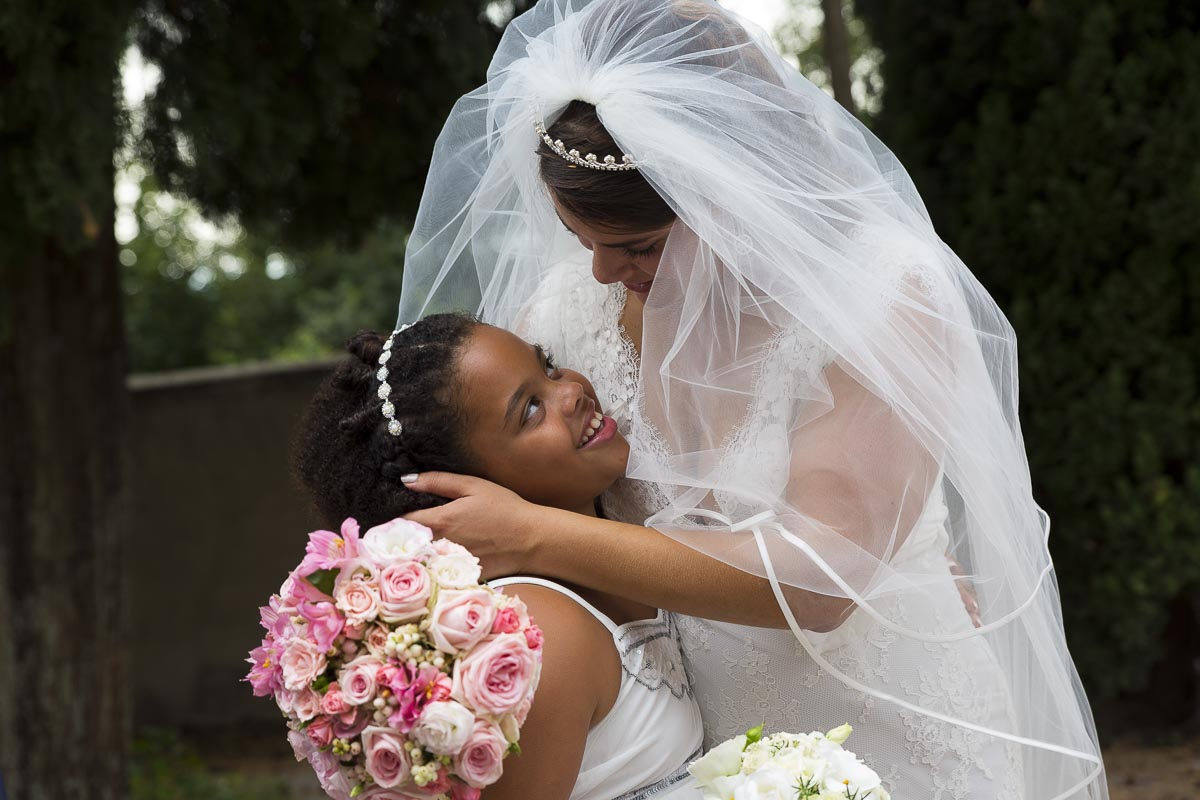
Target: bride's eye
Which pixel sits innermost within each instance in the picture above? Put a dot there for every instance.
(646, 251)
(551, 369)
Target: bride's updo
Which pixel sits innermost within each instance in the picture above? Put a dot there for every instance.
(343, 453)
(618, 201)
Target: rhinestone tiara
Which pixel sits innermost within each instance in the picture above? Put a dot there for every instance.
(385, 389)
(591, 160)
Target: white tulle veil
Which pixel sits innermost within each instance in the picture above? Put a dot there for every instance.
(817, 366)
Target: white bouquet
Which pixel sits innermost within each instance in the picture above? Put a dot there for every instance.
(786, 766)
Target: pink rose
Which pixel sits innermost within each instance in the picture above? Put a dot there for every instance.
(320, 731)
(302, 662)
(404, 590)
(387, 760)
(350, 724)
(358, 598)
(306, 704)
(461, 618)
(375, 638)
(506, 621)
(497, 676)
(460, 791)
(522, 711)
(333, 703)
(533, 637)
(357, 681)
(480, 763)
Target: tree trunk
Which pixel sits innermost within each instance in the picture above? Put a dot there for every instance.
(837, 52)
(64, 724)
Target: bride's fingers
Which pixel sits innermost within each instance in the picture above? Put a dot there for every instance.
(444, 484)
(431, 518)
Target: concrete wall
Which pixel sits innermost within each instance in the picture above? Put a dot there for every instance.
(217, 522)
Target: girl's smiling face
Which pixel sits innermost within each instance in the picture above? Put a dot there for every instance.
(534, 428)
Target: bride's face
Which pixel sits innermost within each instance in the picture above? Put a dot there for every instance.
(628, 257)
(534, 428)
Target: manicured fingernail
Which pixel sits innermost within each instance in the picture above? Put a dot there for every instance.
(409, 478)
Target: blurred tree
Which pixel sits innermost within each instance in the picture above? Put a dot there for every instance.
(304, 129)
(63, 709)
(831, 46)
(309, 120)
(1054, 144)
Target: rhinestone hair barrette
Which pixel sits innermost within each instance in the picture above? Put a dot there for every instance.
(385, 389)
(591, 160)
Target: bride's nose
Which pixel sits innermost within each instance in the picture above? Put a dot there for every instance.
(609, 266)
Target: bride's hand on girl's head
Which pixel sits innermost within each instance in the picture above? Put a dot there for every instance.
(494, 523)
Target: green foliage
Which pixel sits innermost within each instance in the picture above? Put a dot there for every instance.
(311, 118)
(163, 767)
(304, 130)
(801, 37)
(1055, 146)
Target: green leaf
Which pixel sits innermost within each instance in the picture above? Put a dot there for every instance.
(514, 749)
(323, 580)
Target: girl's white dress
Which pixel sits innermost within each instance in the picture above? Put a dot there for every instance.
(642, 747)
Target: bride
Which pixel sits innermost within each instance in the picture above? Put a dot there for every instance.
(819, 398)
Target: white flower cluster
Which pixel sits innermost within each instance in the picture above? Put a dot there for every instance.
(786, 766)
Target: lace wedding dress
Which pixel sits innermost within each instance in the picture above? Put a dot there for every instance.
(743, 676)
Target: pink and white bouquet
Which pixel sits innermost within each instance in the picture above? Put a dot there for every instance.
(812, 766)
(400, 676)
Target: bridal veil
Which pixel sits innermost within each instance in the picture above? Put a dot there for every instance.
(820, 373)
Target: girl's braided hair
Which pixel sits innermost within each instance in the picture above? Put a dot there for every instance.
(343, 453)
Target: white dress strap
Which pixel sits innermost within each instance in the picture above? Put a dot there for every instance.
(521, 579)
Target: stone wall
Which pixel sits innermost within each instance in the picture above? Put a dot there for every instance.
(217, 522)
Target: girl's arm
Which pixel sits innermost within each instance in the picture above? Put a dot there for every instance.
(512, 536)
(581, 675)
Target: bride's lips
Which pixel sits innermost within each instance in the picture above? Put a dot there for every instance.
(639, 288)
(608, 429)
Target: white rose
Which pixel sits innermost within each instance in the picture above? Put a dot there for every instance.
(395, 540)
(444, 727)
(768, 783)
(753, 759)
(723, 760)
(456, 571)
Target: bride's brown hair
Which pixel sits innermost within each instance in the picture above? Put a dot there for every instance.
(625, 201)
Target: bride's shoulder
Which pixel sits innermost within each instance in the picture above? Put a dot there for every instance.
(566, 291)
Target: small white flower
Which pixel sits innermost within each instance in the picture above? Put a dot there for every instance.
(722, 761)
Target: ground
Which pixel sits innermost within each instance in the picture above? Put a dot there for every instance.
(245, 767)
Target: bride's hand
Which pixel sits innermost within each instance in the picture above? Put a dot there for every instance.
(494, 523)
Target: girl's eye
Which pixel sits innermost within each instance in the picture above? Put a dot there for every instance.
(531, 410)
(551, 370)
(629, 251)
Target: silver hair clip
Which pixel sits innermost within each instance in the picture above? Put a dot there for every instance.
(591, 160)
(385, 389)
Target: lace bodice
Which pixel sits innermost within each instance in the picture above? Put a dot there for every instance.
(743, 676)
